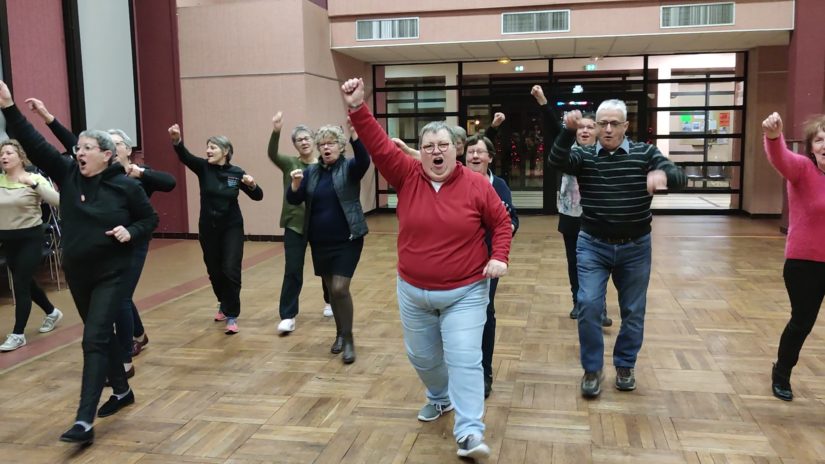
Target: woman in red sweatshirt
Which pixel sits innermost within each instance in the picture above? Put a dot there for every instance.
(444, 267)
(804, 271)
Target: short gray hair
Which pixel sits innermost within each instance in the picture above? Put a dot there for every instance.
(613, 104)
(436, 127)
(331, 131)
(122, 135)
(301, 128)
(223, 143)
(103, 139)
(460, 134)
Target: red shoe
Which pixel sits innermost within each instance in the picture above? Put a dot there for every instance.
(137, 345)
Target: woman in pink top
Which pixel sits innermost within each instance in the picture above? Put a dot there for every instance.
(804, 271)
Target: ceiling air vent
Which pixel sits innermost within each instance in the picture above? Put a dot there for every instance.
(386, 29)
(706, 14)
(530, 22)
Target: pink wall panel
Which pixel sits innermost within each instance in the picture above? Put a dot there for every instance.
(156, 39)
(38, 57)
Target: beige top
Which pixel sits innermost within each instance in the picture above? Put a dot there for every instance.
(20, 203)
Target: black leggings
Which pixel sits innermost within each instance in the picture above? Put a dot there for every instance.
(223, 254)
(23, 256)
(340, 299)
(805, 281)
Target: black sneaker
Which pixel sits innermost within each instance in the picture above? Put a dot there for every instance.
(488, 386)
(606, 321)
(113, 405)
(625, 379)
(79, 434)
(592, 384)
(574, 313)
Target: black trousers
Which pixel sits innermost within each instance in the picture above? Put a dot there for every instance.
(295, 248)
(128, 319)
(23, 256)
(98, 295)
(223, 253)
(805, 282)
(488, 337)
(572, 267)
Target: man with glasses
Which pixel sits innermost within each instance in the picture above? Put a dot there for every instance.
(617, 179)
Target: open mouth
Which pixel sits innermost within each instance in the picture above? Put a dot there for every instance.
(82, 163)
(438, 161)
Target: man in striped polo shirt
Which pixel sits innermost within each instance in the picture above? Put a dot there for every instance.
(617, 179)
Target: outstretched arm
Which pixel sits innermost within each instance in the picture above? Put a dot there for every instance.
(66, 137)
(561, 155)
(789, 164)
(39, 151)
(390, 160)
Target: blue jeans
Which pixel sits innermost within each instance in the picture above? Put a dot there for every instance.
(630, 265)
(442, 335)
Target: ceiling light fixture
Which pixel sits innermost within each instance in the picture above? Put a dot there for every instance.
(504, 60)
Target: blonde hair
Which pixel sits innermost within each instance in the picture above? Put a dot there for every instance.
(20, 151)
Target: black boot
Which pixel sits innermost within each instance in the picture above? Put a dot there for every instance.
(337, 345)
(349, 350)
(781, 383)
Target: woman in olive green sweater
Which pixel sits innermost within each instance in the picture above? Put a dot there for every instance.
(292, 220)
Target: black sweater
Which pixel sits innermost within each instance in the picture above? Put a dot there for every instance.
(152, 181)
(219, 187)
(89, 206)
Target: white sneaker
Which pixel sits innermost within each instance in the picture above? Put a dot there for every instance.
(286, 325)
(51, 321)
(13, 342)
(327, 310)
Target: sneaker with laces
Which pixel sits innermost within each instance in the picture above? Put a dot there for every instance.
(51, 321)
(13, 342)
(286, 326)
(625, 379)
(231, 326)
(220, 316)
(473, 446)
(431, 412)
(592, 384)
(327, 310)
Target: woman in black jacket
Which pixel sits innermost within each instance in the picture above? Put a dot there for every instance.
(221, 223)
(102, 211)
(335, 223)
(128, 325)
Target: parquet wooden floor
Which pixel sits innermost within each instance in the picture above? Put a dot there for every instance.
(716, 307)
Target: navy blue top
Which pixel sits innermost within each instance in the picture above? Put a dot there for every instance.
(327, 221)
(503, 191)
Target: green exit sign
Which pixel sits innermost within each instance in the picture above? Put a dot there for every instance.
(590, 67)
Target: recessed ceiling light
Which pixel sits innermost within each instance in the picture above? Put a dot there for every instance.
(504, 60)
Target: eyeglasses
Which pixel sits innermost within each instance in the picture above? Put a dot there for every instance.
(473, 152)
(327, 144)
(121, 144)
(303, 139)
(613, 124)
(430, 148)
(77, 148)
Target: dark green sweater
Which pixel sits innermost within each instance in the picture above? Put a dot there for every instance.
(613, 187)
(292, 216)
